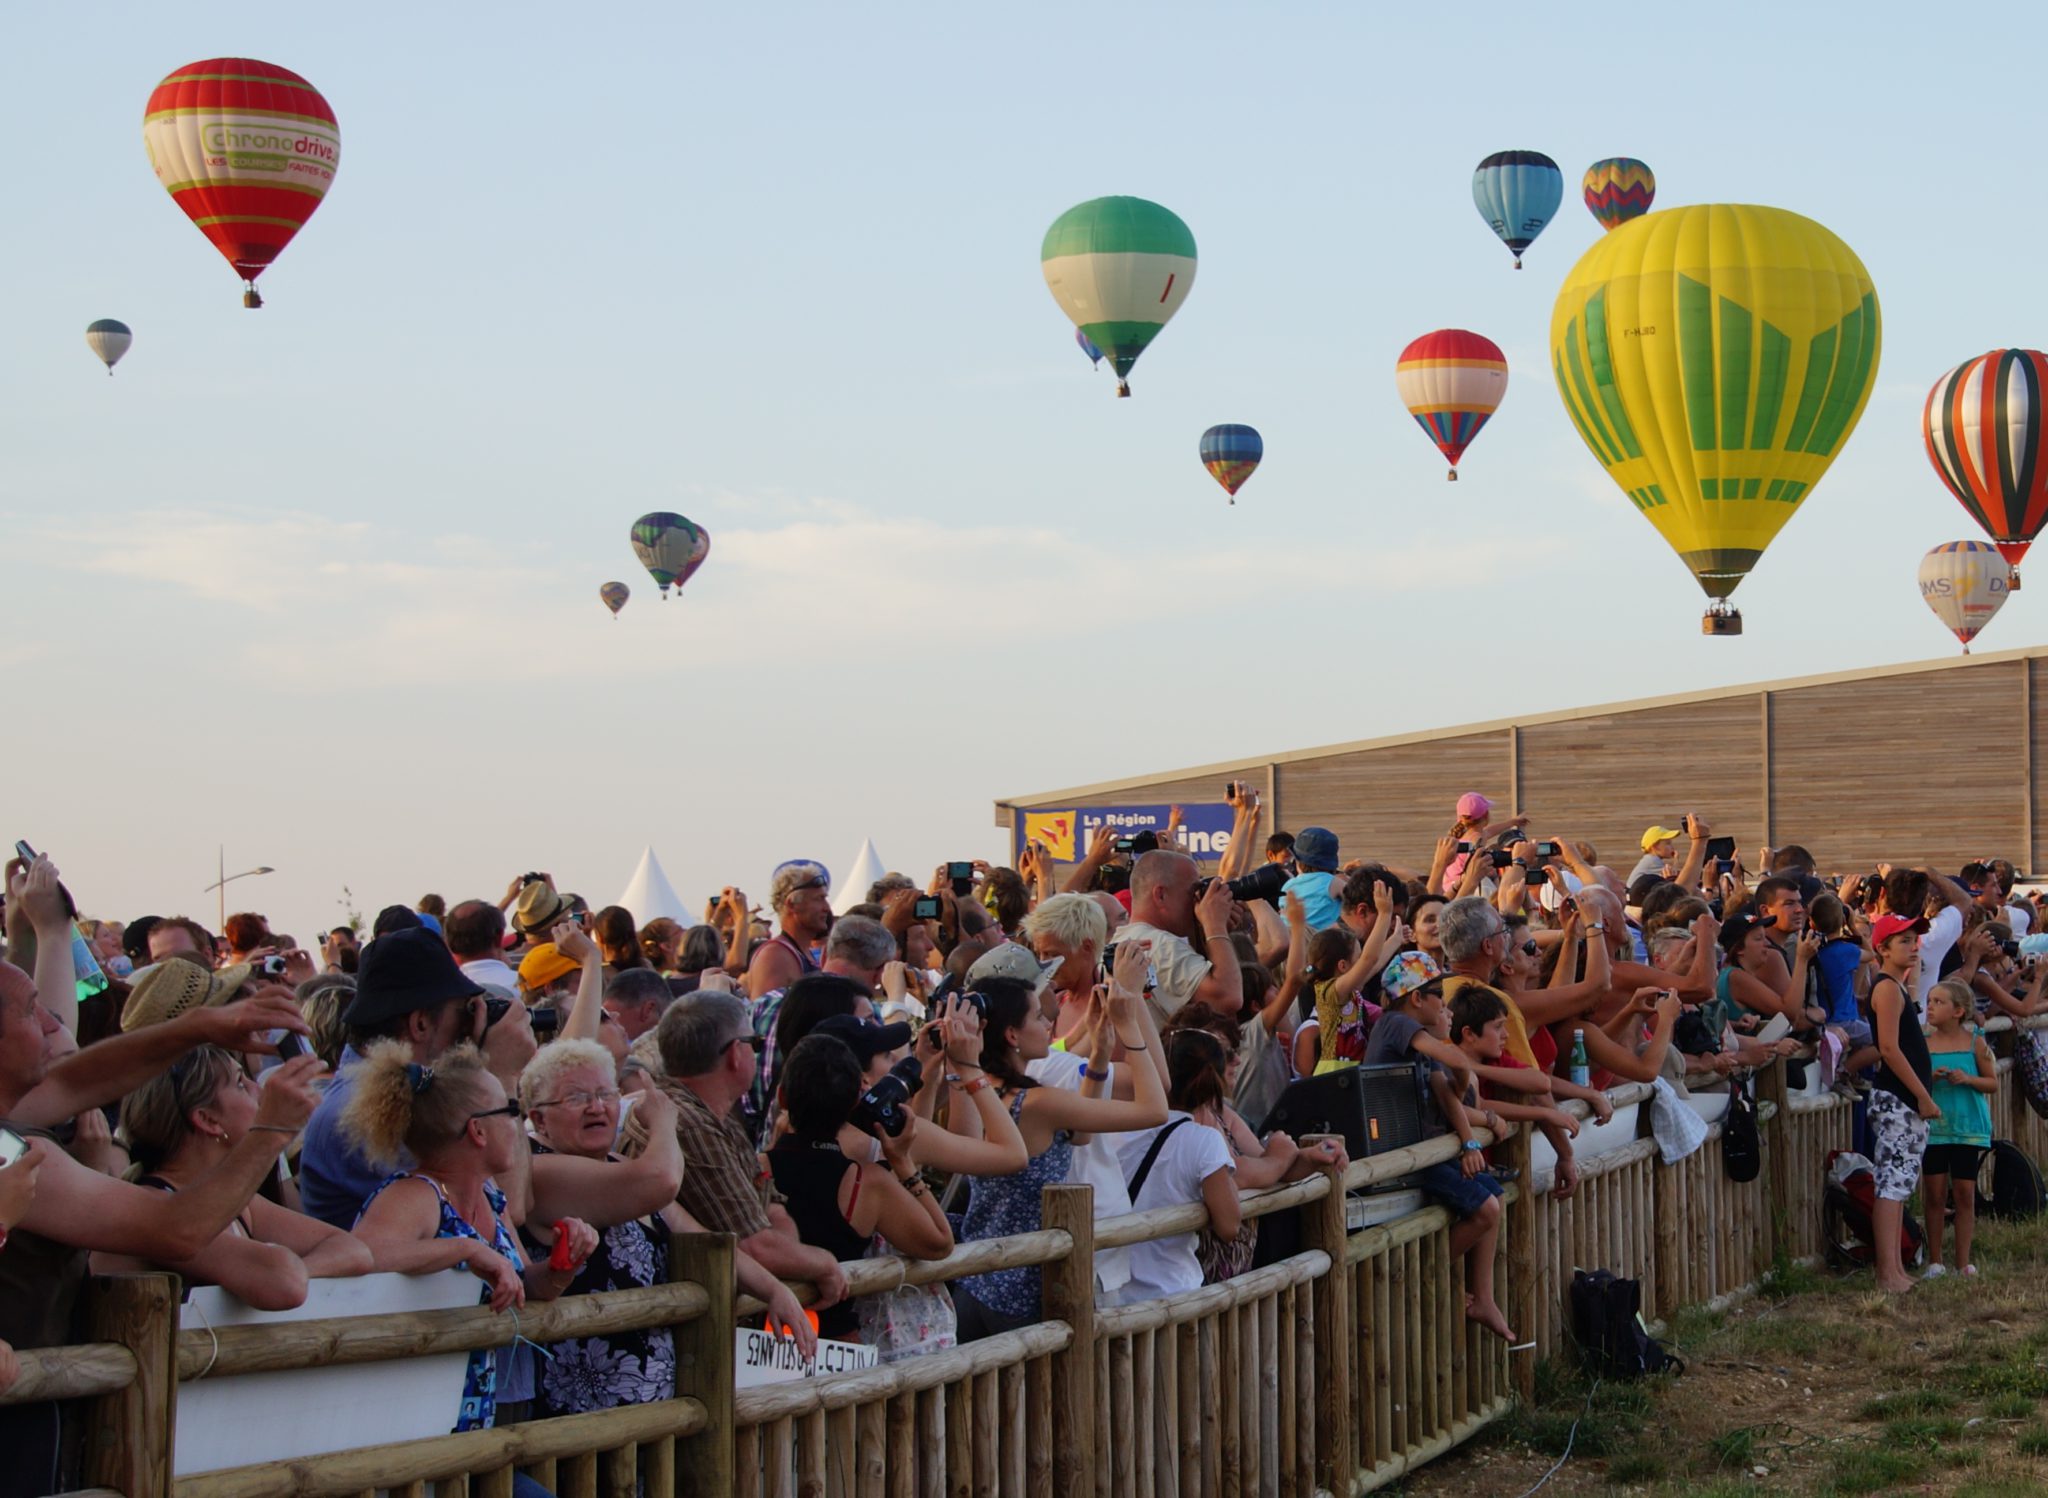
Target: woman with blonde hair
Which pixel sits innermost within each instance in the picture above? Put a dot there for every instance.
(454, 1120)
(182, 1123)
(570, 1091)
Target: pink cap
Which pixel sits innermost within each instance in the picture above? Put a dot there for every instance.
(1474, 807)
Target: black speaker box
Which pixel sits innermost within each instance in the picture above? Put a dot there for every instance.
(1374, 1108)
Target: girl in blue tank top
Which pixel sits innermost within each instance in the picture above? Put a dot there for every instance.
(1965, 1076)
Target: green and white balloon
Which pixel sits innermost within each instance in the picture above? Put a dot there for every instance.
(1120, 268)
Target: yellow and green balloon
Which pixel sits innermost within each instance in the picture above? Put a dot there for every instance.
(1715, 358)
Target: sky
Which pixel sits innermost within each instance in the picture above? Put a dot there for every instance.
(318, 583)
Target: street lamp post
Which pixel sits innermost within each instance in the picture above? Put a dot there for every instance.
(226, 879)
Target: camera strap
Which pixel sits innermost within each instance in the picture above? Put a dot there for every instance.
(1152, 1154)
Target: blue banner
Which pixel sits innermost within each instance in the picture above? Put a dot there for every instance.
(1066, 833)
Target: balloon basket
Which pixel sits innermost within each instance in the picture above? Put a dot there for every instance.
(1123, 391)
(249, 299)
(2011, 587)
(1721, 620)
(1451, 477)
(1518, 262)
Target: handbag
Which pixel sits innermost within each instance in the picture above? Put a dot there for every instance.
(1742, 1151)
(908, 1320)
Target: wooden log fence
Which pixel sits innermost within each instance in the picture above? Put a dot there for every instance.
(1339, 1368)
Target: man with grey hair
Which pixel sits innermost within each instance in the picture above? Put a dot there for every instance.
(635, 1001)
(800, 895)
(708, 1052)
(1475, 942)
(1167, 919)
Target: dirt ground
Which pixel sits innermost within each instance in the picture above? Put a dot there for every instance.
(1820, 1385)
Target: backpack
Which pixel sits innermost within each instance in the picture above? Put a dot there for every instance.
(1742, 1151)
(1607, 1324)
(1847, 1226)
(2008, 1183)
(2030, 1065)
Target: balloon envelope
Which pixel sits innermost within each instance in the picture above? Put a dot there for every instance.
(109, 339)
(1451, 381)
(1119, 268)
(1983, 426)
(248, 150)
(1094, 354)
(615, 596)
(1618, 189)
(1966, 583)
(1231, 452)
(1517, 193)
(1715, 358)
(670, 547)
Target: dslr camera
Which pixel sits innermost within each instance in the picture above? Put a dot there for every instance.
(881, 1109)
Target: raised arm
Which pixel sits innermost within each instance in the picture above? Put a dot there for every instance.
(609, 1192)
(1081, 877)
(586, 1014)
(1696, 832)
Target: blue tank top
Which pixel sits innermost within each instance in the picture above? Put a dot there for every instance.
(1965, 1112)
(998, 1206)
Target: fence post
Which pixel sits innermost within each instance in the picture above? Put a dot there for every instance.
(704, 1362)
(1336, 1335)
(1522, 1253)
(1068, 1295)
(1778, 1157)
(128, 1433)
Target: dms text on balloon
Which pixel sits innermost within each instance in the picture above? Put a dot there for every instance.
(1645, 332)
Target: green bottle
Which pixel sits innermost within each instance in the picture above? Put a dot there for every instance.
(1582, 1069)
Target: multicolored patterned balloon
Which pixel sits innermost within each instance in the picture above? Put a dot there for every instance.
(670, 547)
(1231, 452)
(1619, 189)
(248, 150)
(615, 596)
(1966, 583)
(1984, 427)
(1120, 268)
(1452, 381)
(1517, 193)
(1094, 354)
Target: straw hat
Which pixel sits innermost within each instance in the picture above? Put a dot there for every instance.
(165, 990)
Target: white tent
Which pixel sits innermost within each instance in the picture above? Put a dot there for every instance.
(867, 868)
(649, 894)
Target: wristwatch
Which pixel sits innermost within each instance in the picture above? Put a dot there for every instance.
(1473, 1144)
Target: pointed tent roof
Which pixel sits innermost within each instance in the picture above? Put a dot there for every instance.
(649, 894)
(867, 868)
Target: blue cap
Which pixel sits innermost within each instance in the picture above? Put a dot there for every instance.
(1315, 848)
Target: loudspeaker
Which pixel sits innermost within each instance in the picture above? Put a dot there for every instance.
(1374, 1108)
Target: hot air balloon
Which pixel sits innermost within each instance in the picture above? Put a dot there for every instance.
(1517, 192)
(615, 596)
(1619, 189)
(1965, 583)
(1983, 426)
(1094, 354)
(109, 339)
(1451, 381)
(670, 548)
(1715, 358)
(248, 150)
(1231, 452)
(1120, 268)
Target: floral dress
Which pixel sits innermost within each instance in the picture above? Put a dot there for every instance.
(602, 1373)
(999, 1206)
(480, 1379)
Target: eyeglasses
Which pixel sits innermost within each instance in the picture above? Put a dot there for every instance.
(511, 1110)
(581, 1099)
(753, 1043)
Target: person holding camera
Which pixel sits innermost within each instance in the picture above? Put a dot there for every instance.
(839, 1204)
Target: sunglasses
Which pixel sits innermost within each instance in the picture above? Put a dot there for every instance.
(753, 1043)
(511, 1110)
(495, 1010)
(1529, 948)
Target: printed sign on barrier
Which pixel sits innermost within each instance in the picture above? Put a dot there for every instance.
(759, 1358)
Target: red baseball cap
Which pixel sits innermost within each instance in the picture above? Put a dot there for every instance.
(1889, 926)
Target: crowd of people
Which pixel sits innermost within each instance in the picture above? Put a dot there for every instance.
(540, 1094)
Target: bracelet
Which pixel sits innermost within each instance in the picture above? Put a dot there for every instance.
(272, 1129)
(1219, 936)
(1131, 1050)
(913, 1183)
(984, 1080)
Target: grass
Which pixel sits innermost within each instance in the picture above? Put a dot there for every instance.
(1928, 1435)
(2008, 1407)
(2033, 1441)
(1910, 1402)
(1873, 1469)
(1734, 1448)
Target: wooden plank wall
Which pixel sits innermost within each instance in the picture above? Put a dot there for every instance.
(1936, 766)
